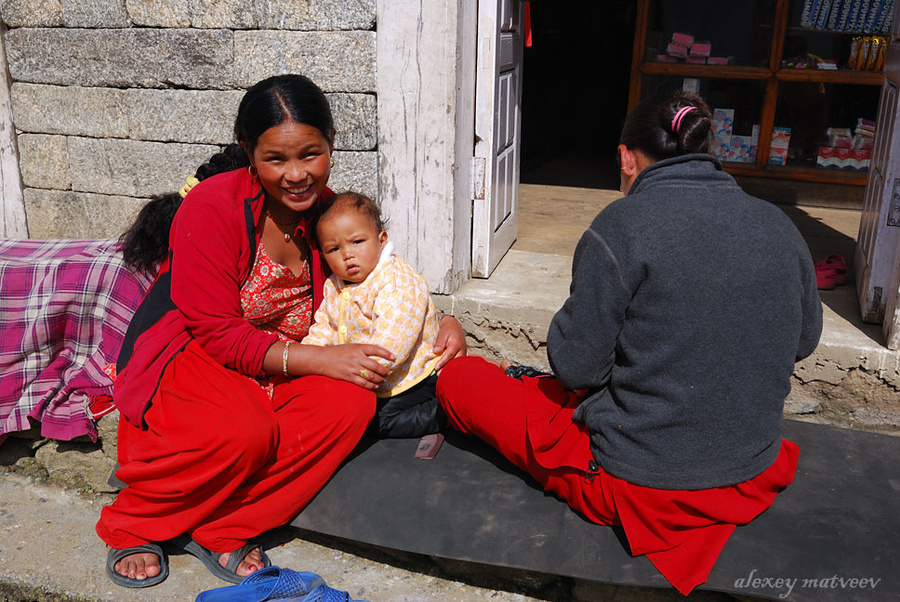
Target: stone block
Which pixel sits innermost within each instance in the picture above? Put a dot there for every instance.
(316, 15)
(224, 14)
(31, 13)
(95, 13)
(44, 161)
(142, 58)
(194, 116)
(336, 61)
(355, 171)
(70, 110)
(132, 167)
(58, 214)
(159, 13)
(355, 121)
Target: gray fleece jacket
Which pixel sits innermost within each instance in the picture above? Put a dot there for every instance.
(690, 303)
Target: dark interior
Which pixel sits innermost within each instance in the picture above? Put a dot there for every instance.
(575, 91)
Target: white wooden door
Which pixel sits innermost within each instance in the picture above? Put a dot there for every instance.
(498, 89)
(878, 243)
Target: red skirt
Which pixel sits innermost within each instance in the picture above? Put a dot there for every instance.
(222, 460)
(530, 422)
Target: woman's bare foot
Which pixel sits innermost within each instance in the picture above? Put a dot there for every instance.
(251, 563)
(139, 566)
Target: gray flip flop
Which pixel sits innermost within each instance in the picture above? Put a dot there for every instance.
(115, 555)
(211, 559)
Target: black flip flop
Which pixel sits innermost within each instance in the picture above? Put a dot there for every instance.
(211, 559)
(115, 555)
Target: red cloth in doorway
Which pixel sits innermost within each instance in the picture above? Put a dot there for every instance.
(528, 24)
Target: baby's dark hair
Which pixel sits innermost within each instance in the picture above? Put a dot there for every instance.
(668, 126)
(363, 204)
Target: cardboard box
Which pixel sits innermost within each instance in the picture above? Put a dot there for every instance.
(842, 159)
(703, 49)
(684, 39)
(723, 123)
(860, 159)
(740, 149)
(825, 157)
(778, 156)
(781, 141)
(675, 49)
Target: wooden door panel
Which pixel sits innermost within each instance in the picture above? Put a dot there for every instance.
(497, 133)
(878, 243)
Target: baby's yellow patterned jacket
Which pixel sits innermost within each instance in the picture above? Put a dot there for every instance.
(392, 308)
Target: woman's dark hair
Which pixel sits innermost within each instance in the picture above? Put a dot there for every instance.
(660, 129)
(266, 104)
(278, 99)
(363, 204)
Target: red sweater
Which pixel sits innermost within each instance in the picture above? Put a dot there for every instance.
(196, 296)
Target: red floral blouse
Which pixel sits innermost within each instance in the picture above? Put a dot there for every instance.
(276, 300)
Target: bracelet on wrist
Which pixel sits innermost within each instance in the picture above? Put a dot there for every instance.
(284, 358)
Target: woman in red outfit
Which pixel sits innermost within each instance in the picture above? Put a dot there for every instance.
(228, 429)
(690, 303)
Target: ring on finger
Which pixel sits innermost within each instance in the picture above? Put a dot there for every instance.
(364, 373)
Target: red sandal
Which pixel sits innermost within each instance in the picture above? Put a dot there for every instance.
(830, 272)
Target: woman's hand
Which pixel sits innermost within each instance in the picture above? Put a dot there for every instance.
(353, 363)
(357, 364)
(451, 340)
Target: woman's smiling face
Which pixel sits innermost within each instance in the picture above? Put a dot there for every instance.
(293, 162)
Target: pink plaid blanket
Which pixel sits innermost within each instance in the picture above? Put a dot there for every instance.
(64, 309)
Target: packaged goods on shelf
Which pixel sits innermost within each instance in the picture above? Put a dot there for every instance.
(847, 159)
(703, 49)
(743, 148)
(722, 126)
(860, 16)
(867, 53)
(778, 149)
(839, 138)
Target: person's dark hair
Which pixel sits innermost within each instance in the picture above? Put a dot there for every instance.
(656, 128)
(363, 204)
(146, 241)
(266, 104)
(277, 99)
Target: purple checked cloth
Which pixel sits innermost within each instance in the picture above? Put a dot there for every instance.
(64, 308)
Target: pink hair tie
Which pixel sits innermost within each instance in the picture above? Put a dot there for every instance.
(676, 121)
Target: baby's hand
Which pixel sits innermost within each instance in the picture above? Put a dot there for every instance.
(450, 342)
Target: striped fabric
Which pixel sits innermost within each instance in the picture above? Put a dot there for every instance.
(64, 309)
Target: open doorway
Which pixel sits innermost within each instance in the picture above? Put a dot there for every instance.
(574, 101)
(575, 92)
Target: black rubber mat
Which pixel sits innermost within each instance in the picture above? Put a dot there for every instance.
(834, 534)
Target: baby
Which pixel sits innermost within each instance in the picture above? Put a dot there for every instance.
(374, 297)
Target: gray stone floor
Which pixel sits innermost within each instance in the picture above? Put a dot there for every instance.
(49, 552)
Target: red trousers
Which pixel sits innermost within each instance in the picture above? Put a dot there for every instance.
(224, 462)
(530, 423)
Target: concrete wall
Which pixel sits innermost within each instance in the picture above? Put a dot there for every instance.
(114, 101)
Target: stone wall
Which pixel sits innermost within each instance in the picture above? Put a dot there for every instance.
(114, 101)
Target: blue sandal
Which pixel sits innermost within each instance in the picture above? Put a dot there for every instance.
(274, 583)
(211, 559)
(114, 555)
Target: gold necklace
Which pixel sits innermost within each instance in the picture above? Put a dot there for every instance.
(292, 225)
